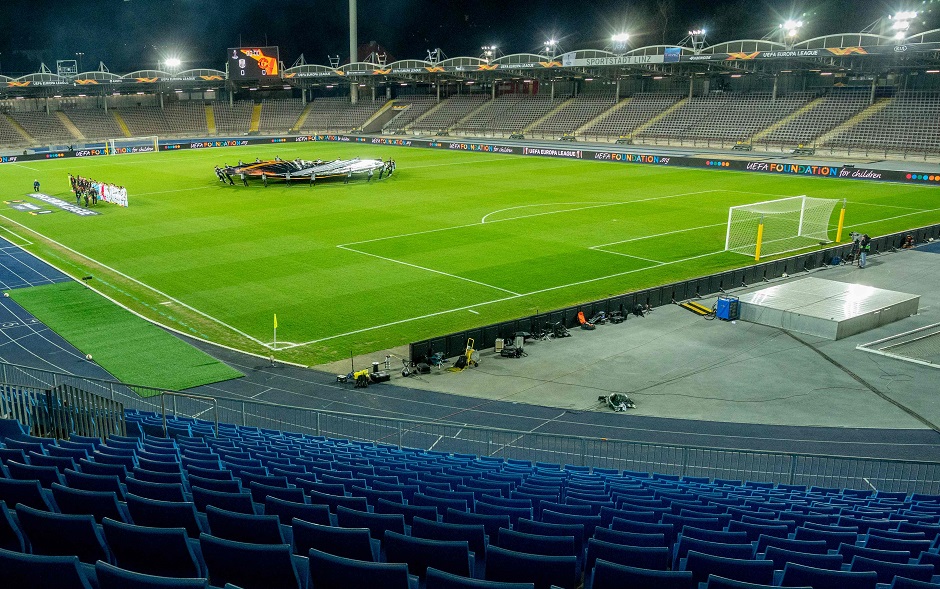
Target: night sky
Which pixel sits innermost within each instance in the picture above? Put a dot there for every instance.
(138, 34)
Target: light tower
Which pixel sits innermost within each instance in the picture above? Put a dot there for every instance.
(697, 38)
(551, 48)
(789, 31)
(901, 23)
(353, 49)
(619, 43)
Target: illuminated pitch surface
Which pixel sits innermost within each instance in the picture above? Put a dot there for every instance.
(453, 240)
(826, 308)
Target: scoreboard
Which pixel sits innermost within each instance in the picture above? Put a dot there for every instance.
(253, 63)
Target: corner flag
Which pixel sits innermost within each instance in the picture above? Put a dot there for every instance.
(275, 321)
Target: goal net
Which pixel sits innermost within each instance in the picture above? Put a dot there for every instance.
(789, 224)
(133, 145)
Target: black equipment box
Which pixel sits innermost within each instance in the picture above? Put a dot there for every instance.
(380, 376)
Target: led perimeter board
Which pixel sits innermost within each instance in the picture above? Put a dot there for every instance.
(253, 63)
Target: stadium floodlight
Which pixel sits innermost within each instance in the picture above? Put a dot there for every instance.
(697, 37)
(551, 47)
(620, 41)
(791, 27)
(901, 22)
(489, 52)
(172, 62)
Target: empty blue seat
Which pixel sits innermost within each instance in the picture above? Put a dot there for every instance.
(536, 544)
(354, 543)
(513, 513)
(100, 504)
(630, 538)
(41, 572)
(243, 527)
(58, 462)
(590, 522)
(545, 529)
(886, 571)
(156, 476)
(57, 534)
(452, 556)
(112, 577)
(814, 546)
(752, 571)
(754, 531)
(902, 583)
(259, 491)
(797, 575)
(491, 523)
(328, 571)
(440, 580)
(439, 503)
(165, 514)
(335, 501)
(11, 538)
(89, 467)
(685, 544)
(646, 557)
(623, 525)
(408, 511)
(717, 582)
(377, 523)
(781, 556)
(237, 502)
(158, 491)
(249, 566)
(474, 535)
(29, 493)
(607, 575)
(166, 552)
(222, 485)
(46, 475)
(915, 547)
(288, 510)
(850, 551)
(519, 567)
(94, 482)
(832, 539)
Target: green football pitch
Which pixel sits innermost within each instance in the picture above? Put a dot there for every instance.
(453, 240)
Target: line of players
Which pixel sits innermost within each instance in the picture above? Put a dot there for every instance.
(222, 173)
(92, 191)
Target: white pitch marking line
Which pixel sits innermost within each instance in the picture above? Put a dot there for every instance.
(25, 166)
(256, 395)
(548, 204)
(603, 245)
(349, 249)
(657, 262)
(167, 303)
(132, 279)
(473, 311)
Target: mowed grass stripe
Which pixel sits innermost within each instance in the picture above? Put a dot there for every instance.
(133, 350)
(240, 255)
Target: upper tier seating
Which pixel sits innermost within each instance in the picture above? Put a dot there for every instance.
(338, 114)
(508, 114)
(450, 112)
(830, 112)
(574, 114)
(417, 106)
(234, 119)
(637, 110)
(95, 123)
(279, 115)
(724, 117)
(548, 524)
(907, 123)
(44, 127)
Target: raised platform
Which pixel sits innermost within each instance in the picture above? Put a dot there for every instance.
(826, 308)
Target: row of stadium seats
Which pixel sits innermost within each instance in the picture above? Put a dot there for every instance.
(264, 508)
(841, 119)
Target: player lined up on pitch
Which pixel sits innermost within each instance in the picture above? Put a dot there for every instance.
(92, 191)
(299, 170)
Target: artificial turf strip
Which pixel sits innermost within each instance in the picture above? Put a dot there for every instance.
(132, 349)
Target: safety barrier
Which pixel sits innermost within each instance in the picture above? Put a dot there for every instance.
(57, 411)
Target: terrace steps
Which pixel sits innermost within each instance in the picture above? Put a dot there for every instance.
(550, 113)
(660, 116)
(427, 113)
(69, 125)
(602, 116)
(875, 108)
(470, 114)
(210, 119)
(255, 118)
(19, 129)
(798, 112)
(121, 123)
(303, 116)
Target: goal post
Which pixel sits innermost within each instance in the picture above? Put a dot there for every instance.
(778, 226)
(122, 145)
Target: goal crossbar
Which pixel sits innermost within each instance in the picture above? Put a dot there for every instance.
(144, 144)
(779, 225)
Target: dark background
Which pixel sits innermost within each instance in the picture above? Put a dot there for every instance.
(139, 34)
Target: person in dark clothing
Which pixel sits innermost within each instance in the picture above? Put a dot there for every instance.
(35, 185)
(244, 179)
(864, 247)
(86, 200)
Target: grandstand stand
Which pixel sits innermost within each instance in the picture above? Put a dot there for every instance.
(826, 114)
(338, 114)
(572, 115)
(507, 114)
(172, 120)
(417, 106)
(907, 123)
(449, 113)
(630, 113)
(279, 116)
(9, 135)
(724, 117)
(826, 536)
(232, 120)
(45, 127)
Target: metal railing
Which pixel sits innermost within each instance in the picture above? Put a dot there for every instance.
(57, 411)
(674, 459)
(175, 396)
